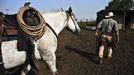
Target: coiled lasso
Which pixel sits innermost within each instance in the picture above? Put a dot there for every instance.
(37, 30)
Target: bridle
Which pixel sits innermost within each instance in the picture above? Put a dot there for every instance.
(69, 15)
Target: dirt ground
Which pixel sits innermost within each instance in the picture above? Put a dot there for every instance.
(76, 55)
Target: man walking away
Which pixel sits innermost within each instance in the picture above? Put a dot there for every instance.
(106, 28)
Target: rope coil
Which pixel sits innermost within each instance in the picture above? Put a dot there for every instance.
(31, 30)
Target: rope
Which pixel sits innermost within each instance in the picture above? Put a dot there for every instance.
(31, 30)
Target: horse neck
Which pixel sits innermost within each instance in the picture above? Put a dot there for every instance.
(57, 20)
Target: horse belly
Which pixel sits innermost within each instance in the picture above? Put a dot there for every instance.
(11, 56)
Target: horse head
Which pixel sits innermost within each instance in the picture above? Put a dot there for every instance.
(72, 22)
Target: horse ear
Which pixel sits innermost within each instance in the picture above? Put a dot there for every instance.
(70, 10)
(62, 9)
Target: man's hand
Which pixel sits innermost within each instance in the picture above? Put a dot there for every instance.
(118, 39)
(96, 34)
(117, 34)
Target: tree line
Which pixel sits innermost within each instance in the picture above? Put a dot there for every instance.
(121, 5)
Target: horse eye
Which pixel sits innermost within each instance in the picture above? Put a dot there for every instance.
(73, 15)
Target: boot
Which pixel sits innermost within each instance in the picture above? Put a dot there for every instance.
(100, 61)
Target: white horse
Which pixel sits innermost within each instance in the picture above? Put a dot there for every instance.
(46, 46)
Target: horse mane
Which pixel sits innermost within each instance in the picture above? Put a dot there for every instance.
(55, 11)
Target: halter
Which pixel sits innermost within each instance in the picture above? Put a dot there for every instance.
(69, 14)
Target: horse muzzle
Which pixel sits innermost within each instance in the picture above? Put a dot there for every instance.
(77, 31)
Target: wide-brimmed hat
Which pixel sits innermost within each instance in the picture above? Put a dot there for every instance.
(110, 14)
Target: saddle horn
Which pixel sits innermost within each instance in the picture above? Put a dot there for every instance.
(27, 4)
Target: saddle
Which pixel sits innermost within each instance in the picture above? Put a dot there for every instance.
(1, 25)
(16, 27)
(2, 68)
(11, 31)
(27, 22)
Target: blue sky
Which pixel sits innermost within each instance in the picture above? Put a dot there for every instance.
(83, 9)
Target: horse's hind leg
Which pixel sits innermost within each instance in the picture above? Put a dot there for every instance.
(23, 73)
(50, 59)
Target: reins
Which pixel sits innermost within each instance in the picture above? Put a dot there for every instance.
(52, 30)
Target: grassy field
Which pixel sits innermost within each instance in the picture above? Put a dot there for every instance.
(89, 23)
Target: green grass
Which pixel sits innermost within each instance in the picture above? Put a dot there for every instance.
(130, 30)
(93, 23)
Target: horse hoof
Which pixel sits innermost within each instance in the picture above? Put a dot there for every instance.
(56, 73)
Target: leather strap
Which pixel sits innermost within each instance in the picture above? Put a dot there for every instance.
(52, 30)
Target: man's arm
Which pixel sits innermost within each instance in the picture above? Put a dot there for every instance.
(117, 35)
(117, 31)
(98, 27)
(97, 32)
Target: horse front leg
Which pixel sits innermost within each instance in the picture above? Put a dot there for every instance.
(50, 59)
(23, 73)
(25, 69)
